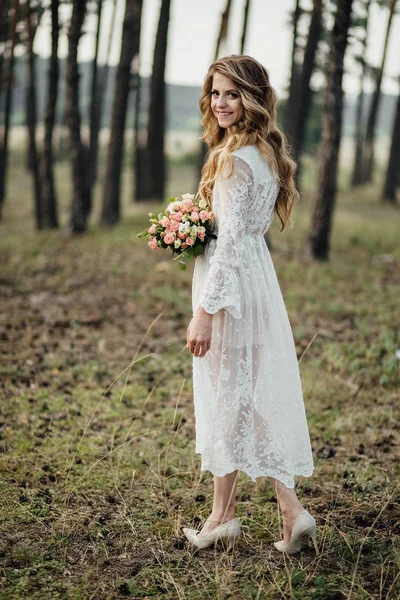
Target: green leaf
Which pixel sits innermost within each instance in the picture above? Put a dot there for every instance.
(198, 250)
(182, 265)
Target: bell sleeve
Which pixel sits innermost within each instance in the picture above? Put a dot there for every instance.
(222, 289)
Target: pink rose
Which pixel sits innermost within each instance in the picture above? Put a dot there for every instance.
(190, 241)
(194, 216)
(186, 205)
(152, 229)
(211, 216)
(174, 226)
(201, 235)
(165, 222)
(153, 243)
(184, 245)
(204, 215)
(176, 216)
(169, 238)
(176, 207)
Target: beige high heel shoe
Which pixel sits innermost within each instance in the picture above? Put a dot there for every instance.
(304, 528)
(229, 531)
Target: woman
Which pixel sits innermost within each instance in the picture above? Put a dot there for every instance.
(248, 400)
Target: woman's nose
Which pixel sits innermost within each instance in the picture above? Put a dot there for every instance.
(221, 101)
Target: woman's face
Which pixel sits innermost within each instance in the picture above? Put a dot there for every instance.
(226, 102)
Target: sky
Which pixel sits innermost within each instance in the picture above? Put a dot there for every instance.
(194, 25)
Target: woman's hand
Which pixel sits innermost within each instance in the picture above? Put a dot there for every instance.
(199, 332)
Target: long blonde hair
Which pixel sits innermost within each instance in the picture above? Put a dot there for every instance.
(257, 126)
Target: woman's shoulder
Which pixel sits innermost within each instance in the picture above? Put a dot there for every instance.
(251, 155)
(246, 152)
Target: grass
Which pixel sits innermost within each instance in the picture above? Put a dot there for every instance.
(97, 461)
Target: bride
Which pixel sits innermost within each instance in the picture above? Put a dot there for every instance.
(249, 408)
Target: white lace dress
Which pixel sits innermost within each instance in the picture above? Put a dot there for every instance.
(249, 408)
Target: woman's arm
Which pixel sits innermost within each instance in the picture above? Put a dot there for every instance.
(222, 286)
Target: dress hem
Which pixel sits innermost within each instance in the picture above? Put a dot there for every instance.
(288, 482)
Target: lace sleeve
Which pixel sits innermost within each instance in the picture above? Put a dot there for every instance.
(222, 287)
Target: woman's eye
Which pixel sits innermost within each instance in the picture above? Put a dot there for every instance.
(214, 93)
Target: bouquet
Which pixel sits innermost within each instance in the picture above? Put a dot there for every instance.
(184, 226)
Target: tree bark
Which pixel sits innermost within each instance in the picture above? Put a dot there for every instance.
(98, 105)
(319, 237)
(33, 158)
(303, 103)
(94, 103)
(10, 46)
(49, 199)
(368, 150)
(139, 144)
(392, 179)
(245, 24)
(221, 39)
(81, 189)
(2, 20)
(357, 175)
(129, 49)
(295, 72)
(157, 114)
(223, 30)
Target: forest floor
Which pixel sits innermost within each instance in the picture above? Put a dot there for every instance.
(97, 461)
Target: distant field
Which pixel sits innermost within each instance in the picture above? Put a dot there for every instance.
(97, 462)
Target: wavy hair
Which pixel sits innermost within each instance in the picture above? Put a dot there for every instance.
(257, 126)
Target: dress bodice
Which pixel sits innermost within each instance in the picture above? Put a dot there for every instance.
(253, 188)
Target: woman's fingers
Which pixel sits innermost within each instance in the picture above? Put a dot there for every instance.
(199, 347)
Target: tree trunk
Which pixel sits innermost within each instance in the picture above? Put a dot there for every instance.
(357, 176)
(223, 30)
(94, 104)
(368, 150)
(49, 200)
(3, 4)
(81, 189)
(319, 237)
(392, 179)
(139, 144)
(129, 49)
(295, 73)
(33, 158)
(245, 24)
(303, 103)
(98, 105)
(154, 184)
(221, 39)
(10, 46)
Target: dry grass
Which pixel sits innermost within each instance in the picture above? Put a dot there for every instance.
(97, 431)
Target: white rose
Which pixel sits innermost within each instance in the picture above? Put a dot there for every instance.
(202, 203)
(177, 243)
